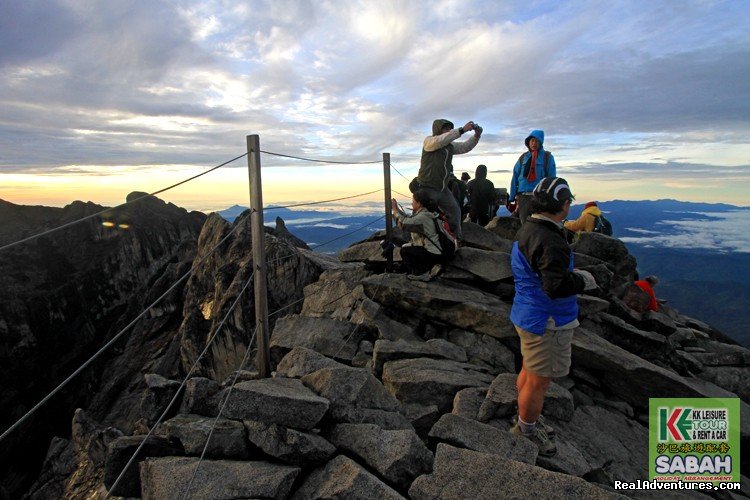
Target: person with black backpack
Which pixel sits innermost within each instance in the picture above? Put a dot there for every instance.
(531, 167)
(426, 252)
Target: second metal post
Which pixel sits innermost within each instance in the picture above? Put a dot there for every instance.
(259, 256)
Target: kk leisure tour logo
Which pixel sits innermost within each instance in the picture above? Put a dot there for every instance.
(694, 439)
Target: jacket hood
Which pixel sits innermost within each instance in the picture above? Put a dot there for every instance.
(481, 172)
(539, 134)
(438, 124)
(593, 211)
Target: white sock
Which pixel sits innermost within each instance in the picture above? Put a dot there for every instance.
(526, 428)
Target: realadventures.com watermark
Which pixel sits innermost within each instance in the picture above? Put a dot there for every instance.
(694, 439)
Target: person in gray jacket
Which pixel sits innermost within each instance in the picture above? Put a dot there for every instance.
(437, 165)
(423, 254)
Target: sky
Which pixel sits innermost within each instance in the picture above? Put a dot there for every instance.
(638, 99)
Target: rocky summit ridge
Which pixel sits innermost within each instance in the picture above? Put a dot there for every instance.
(382, 387)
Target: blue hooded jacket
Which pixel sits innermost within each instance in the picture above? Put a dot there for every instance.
(519, 183)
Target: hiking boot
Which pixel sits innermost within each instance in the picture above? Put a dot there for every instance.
(420, 277)
(540, 422)
(540, 438)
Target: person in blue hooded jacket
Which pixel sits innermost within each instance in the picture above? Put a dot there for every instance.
(531, 167)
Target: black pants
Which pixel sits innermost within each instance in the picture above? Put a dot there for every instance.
(481, 219)
(418, 260)
(524, 206)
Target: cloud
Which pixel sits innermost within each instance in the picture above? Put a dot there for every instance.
(623, 90)
(33, 29)
(724, 232)
(332, 226)
(641, 231)
(673, 171)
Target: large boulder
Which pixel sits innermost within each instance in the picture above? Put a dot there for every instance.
(467, 433)
(355, 395)
(386, 350)
(462, 473)
(658, 321)
(632, 378)
(422, 417)
(583, 260)
(119, 453)
(588, 305)
(605, 248)
(736, 358)
(335, 293)
(486, 265)
(374, 315)
(467, 402)
(169, 478)
(334, 338)
(731, 378)
(504, 227)
(451, 303)
(159, 392)
(397, 455)
(605, 439)
(369, 252)
(192, 432)
(610, 250)
(301, 361)
(477, 236)
(200, 397)
(428, 381)
(502, 396)
(602, 273)
(484, 350)
(276, 401)
(644, 343)
(342, 477)
(289, 445)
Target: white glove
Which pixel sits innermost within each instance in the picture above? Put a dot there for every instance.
(588, 279)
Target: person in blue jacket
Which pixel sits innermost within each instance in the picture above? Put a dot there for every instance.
(545, 307)
(531, 167)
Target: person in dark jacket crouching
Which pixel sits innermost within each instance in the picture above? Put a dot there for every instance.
(545, 308)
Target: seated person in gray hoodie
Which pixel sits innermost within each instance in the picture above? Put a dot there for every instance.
(423, 253)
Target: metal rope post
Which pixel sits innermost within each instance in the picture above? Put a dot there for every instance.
(259, 255)
(388, 211)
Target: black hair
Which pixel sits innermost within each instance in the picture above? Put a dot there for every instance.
(481, 172)
(423, 197)
(545, 202)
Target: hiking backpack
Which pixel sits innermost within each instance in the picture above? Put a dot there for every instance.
(446, 238)
(603, 226)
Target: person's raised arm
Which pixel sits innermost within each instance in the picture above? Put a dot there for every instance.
(435, 142)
